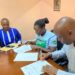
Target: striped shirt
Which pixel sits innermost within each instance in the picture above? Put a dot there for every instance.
(10, 36)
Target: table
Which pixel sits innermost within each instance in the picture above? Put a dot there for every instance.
(9, 67)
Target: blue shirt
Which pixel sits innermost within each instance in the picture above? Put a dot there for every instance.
(10, 36)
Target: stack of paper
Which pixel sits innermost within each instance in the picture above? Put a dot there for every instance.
(9, 47)
(26, 57)
(5, 49)
(34, 68)
(23, 49)
(15, 45)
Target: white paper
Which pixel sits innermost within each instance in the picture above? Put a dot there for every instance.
(29, 40)
(34, 68)
(26, 57)
(60, 72)
(23, 49)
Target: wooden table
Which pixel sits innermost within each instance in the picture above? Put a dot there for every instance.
(9, 67)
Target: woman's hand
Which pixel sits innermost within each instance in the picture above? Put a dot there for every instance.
(30, 42)
(36, 47)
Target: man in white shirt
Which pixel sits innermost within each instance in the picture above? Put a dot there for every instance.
(60, 53)
(65, 31)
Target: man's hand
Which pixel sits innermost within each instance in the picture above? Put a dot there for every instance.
(50, 70)
(43, 56)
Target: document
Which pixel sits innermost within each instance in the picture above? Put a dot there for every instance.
(5, 49)
(23, 49)
(13, 45)
(34, 68)
(9, 47)
(60, 72)
(26, 57)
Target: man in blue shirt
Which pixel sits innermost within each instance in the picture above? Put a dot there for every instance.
(8, 35)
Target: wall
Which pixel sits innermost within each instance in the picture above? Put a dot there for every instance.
(23, 13)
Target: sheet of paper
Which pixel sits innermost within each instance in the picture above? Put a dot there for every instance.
(60, 72)
(9, 47)
(29, 41)
(5, 49)
(15, 45)
(26, 57)
(12, 46)
(34, 68)
(23, 49)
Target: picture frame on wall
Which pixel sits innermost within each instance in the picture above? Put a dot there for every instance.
(57, 5)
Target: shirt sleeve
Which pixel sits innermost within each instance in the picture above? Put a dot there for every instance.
(36, 37)
(60, 53)
(60, 72)
(52, 42)
(18, 36)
